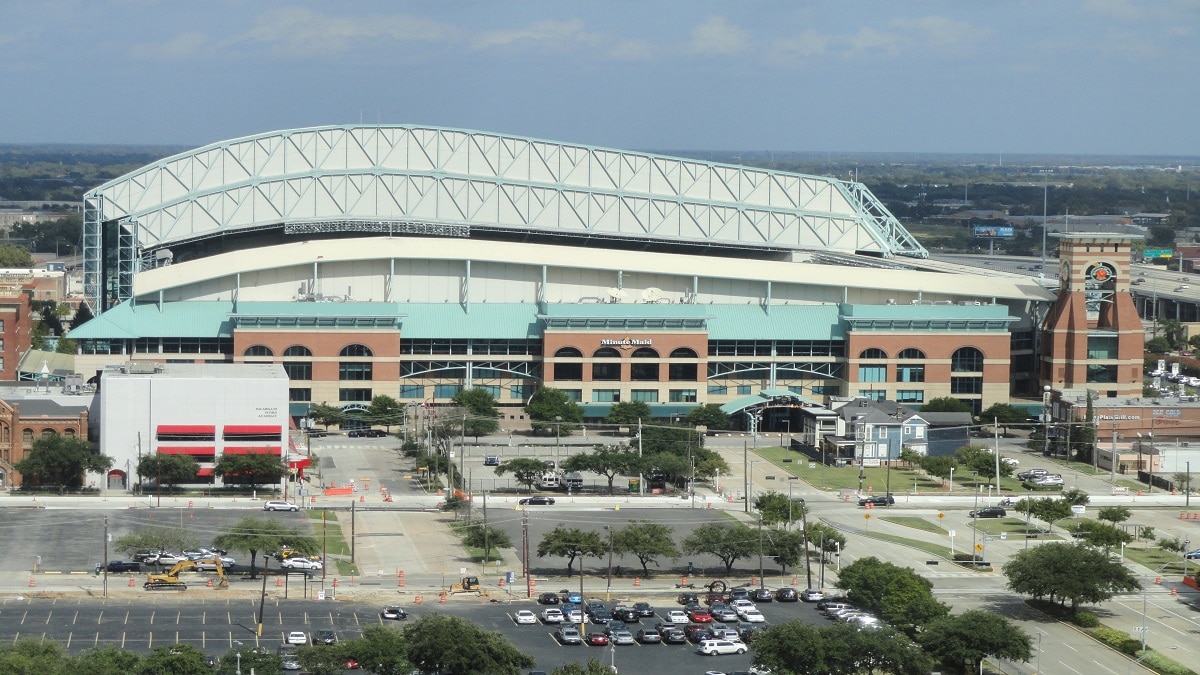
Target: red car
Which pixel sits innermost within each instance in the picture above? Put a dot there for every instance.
(700, 616)
(351, 664)
(596, 639)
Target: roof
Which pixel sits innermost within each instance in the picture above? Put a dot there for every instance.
(172, 319)
(763, 398)
(724, 322)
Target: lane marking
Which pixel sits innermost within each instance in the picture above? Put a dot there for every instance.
(1069, 668)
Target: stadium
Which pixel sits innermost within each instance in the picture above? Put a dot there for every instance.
(418, 261)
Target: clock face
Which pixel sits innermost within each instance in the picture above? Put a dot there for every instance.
(1102, 272)
(1064, 274)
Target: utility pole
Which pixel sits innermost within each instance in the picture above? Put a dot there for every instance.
(746, 475)
(760, 556)
(525, 553)
(105, 556)
(641, 476)
(485, 532)
(352, 529)
(608, 590)
(807, 566)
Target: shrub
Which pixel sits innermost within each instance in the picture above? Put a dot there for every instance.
(1085, 620)
(1118, 640)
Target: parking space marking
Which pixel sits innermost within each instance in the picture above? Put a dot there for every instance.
(152, 617)
(178, 614)
(23, 616)
(150, 640)
(75, 618)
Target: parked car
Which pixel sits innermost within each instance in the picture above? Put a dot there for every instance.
(601, 616)
(552, 615)
(751, 615)
(1032, 473)
(739, 594)
(877, 500)
(279, 506)
(762, 595)
(626, 614)
(325, 637)
(596, 639)
(700, 615)
(1193, 555)
(569, 636)
(123, 566)
(643, 609)
(688, 599)
(673, 635)
(537, 501)
(491, 460)
(714, 647)
(298, 563)
(786, 595)
(395, 613)
(649, 636)
(677, 616)
(614, 626)
(297, 637)
(1050, 480)
(812, 595)
(548, 599)
(1010, 461)
(623, 637)
(723, 613)
(168, 559)
(525, 617)
(988, 512)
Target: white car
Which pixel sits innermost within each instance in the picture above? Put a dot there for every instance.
(280, 506)
(677, 617)
(552, 615)
(1010, 461)
(208, 564)
(751, 615)
(168, 559)
(714, 647)
(738, 604)
(297, 637)
(525, 617)
(301, 564)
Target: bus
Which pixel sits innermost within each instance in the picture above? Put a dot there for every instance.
(548, 481)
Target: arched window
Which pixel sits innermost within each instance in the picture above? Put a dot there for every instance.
(47, 433)
(683, 353)
(645, 353)
(356, 350)
(297, 350)
(606, 353)
(966, 360)
(873, 353)
(69, 433)
(259, 350)
(27, 437)
(912, 353)
(568, 353)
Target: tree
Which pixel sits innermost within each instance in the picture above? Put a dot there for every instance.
(253, 534)
(775, 508)
(1158, 345)
(439, 643)
(627, 413)
(1075, 497)
(938, 465)
(1182, 480)
(1046, 509)
(381, 649)
(34, 657)
(797, 648)
(896, 594)
(547, 405)
(963, 641)
(709, 416)
(645, 541)
(1104, 535)
(384, 410)
(107, 661)
(169, 470)
(1068, 571)
(825, 538)
(793, 648)
(675, 440)
(980, 460)
(525, 470)
(592, 667)
(945, 404)
(13, 256)
(727, 541)
(609, 461)
(455, 504)
(482, 414)
(326, 415)
(61, 461)
(254, 470)
(156, 539)
(1114, 514)
(1004, 414)
(571, 543)
(786, 547)
(487, 538)
(180, 658)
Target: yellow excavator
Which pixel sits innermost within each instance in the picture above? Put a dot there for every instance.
(467, 585)
(169, 581)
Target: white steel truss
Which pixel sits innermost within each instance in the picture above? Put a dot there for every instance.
(306, 178)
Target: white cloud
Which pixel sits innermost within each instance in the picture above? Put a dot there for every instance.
(630, 50)
(716, 36)
(180, 47)
(305, 32)
(941, 33)
(545, 33)
(795, 48)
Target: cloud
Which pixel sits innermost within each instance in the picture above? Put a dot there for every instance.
(301, 31)
(180, 47)
(546, 33)
(630, 50)
(716, 36)
(796, 48)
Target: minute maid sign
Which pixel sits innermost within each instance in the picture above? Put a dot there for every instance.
(626, 342)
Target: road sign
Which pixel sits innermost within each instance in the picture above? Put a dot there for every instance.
(941, 515)
(951, 534)
(866, 516)
(978, 547)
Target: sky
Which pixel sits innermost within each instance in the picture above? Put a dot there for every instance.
(1096, 77)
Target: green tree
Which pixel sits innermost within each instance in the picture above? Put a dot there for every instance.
(727, 541)
(482, 415)
(156, 539)
(1004, 414)
(1158, 345)
(610, 461)
(451, 645)
(793, 648)
(380, 649)
(13, 256)
(107, 661)
(775, 508)
(945, 404)
(1104, 535)
(384, 411)
(1046, 509)
(961, 642)
(592, 667)
(825, 538)
(571, 543)
(487, 538)
(627, 413)
(709, 416)
(645, 541)
(178, 659)
(34, 657)
(786, 547)
(254, 469)
(456, 505)
(547, 406)
(896, 594)
(1068, 571)
(61, 461)
(169, 470)
(797, 648)
(1075, 497)
(980, 460)
(525, 470)
(326, 415)
(1114, 514)
(253, 534)
(938, 465)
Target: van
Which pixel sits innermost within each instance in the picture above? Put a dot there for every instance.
(548, 481)
(833, 607)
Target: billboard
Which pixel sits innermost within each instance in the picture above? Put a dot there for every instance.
(1157, 253)
(994, 231)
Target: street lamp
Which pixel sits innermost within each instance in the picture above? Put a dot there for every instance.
(750, 481)
(262, 602)
(1046, 421)
(951, 480)
(557, 437)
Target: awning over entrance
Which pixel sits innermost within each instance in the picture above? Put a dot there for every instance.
(779, 397)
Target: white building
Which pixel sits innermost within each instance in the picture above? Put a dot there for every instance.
(202, 410)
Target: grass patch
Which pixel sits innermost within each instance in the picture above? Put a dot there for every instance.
(915, 522)
(1012, 526)
(1157, 559)
(346, 568)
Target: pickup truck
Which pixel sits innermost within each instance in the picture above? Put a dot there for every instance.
(123, 566)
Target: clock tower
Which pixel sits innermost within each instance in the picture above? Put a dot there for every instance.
(1092, 337)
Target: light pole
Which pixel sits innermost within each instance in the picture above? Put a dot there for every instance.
(951, 489)
(557, 437)
(1046, 421)
(238, 644)
(750, 481)
(262, 601)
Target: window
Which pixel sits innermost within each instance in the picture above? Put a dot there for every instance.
(743, 390)
(644, 353)
(718, 389)
(355, 371)
(446, 390)
(644, 395)
(827, 389)
(297, 350)
(683, 353)
(258, 350)
(872, 373)
(493, 389)
(412, 391)
(48, 433)
(1101, 374)
(606, 353)
(681, 372)
(350, 395)
(568, 371)
(568, 353)
(682, 396)
(575, 395)
(69, 433)
(910, 372)
(966, 360)
(966, 385)
(27, 437)
(910, 396)
(297, 371)
(522, 392)
(883, 432)
(301, 394)
(643, 372)
(1102, 347)
(602, 372)
(911, 353)
(872, 394)
(356, 350)
(606, 395)
(873, 353)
